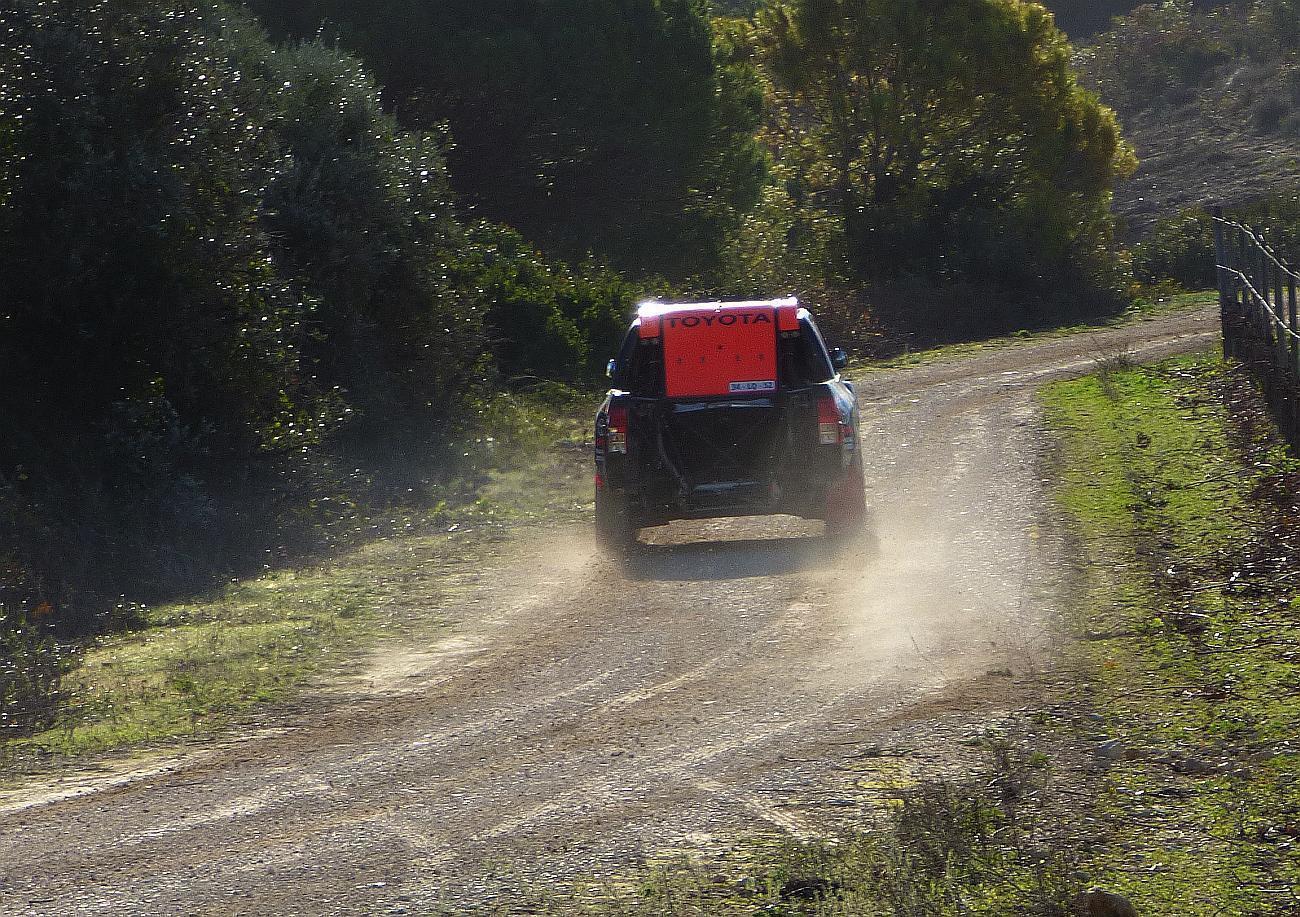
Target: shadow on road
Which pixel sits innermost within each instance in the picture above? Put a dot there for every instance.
(742, 559)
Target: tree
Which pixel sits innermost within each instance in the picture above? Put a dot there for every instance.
(948, 137)
(214, 255)
(360, 217)
(589, 125)
(132, 249)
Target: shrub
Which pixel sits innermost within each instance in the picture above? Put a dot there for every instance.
(546, 319)
(32, 664)
(1179, 248)
(218, 259)
(1268, 113)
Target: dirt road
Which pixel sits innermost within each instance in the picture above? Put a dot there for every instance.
(583, 716)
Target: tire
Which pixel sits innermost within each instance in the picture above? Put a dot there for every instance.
(614, 525)
(846, 503)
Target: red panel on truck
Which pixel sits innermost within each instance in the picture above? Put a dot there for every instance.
(720, 351)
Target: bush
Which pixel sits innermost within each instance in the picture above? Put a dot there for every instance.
(1158, 51)
(547, 320)
(32, 664)
(1269, 113)
(360, 217)
(1238, 60)
(1181, 248)
(219, 259)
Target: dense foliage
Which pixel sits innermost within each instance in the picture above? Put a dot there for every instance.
(1080, 19)
(1240, 60)
(548, 320)
(735, 7)
(1180, 249)
(215, 256)
(947, 140)
(592, 127)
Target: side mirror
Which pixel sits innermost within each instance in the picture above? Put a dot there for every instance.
(839, 359)
(611, 367)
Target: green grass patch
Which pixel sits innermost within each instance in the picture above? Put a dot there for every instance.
(536, 463)
(193, 665)
(1189, 599)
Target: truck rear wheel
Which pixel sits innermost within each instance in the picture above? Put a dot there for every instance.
(846, 503)
(614, 524)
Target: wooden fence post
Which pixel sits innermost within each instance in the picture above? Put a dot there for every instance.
(1240, 316)
(1248, 297)
(1279, 306)
(1221, 276)
(1259, 303)
(1292, 354)
(1261, 293)
(1295, 326)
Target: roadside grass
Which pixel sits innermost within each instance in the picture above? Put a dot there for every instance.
(536, 465)
(981, 844)
(192, 666)
(533, 454)
(1184, 506)
(1147, 307)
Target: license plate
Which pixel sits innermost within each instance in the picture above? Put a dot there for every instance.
(742, 388)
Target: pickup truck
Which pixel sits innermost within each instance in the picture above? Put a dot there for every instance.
(726, 409)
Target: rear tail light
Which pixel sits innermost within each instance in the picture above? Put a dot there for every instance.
(617, 430)
(829, 430)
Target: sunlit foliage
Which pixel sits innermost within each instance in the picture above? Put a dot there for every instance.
(948, 139)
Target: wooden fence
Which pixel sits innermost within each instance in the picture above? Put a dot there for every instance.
(1257, 300)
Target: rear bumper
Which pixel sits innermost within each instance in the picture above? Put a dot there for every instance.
(728, 457)
(655, 502)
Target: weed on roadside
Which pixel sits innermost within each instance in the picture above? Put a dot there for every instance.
(980, 844)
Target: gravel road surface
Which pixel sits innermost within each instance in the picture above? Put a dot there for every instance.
(585, 715)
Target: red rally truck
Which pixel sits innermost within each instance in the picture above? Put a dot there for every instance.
(726, 409)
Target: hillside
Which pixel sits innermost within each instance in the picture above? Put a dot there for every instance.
(1209, 98)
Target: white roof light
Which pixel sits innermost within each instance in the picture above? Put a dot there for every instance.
(652, 307)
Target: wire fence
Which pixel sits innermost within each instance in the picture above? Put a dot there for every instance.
(1257, 301)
